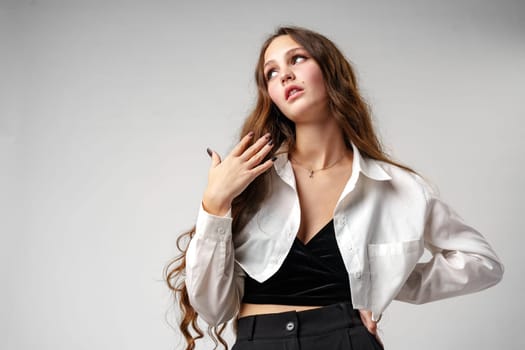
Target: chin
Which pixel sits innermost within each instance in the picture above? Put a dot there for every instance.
(305, 113)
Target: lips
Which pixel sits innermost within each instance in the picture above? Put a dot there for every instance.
(291, 91)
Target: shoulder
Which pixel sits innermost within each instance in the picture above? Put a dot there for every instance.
(407, 182)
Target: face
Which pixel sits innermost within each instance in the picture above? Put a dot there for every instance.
(294, 79)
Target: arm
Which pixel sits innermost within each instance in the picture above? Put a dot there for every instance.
(462, 260)
(214, 282)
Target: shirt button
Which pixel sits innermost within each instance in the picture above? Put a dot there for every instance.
(358, 275)
(220, 230)
(290, 326)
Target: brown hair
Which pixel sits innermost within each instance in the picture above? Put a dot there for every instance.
(347, 107)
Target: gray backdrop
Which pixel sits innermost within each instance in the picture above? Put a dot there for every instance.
(107, 107)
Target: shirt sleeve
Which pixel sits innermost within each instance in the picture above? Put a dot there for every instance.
(214, 281)
(462, 260)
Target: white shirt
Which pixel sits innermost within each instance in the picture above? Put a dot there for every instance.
(383, 220)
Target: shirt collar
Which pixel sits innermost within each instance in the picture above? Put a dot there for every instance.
(361, 164)
(368, 166)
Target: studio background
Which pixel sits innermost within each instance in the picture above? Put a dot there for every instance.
(107, 107)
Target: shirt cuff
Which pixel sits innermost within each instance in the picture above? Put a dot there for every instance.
(209, 226)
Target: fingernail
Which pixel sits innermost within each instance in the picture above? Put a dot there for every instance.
(209, 151)
(251, 133)
(273, 159)
(270, 143)
(268, 135)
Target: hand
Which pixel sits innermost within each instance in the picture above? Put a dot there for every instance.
(366, 317)
(229, 177)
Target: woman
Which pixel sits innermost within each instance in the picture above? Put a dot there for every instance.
(307, 230)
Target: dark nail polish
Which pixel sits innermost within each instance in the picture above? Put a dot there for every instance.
(270, 143)
(209, 151)
(268, 136)
(251, 133)
(274, 159)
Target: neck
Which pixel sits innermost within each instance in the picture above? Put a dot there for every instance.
(319, 145)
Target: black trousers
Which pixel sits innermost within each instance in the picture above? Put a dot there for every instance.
(333, 327)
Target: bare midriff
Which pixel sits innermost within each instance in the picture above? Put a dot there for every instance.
(258, 309)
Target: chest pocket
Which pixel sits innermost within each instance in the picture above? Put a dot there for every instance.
(390, 265)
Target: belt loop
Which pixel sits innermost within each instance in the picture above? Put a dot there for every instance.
(251, 328)
(348, 314)
(298, 323)
(355, 315)
(352, 315)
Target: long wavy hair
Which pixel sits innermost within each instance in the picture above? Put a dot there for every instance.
(347, 107)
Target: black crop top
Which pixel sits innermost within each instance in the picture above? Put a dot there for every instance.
(313, 274)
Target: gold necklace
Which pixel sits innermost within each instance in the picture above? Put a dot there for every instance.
(312, 171)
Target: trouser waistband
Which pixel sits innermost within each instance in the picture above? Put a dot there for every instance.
(302, 323)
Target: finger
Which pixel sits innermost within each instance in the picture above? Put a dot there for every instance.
(261, 168)
(366, 317)
(379, 340)
(372, 327)
(257, 158)
(253, 149)
(241, 146)
(215, 158)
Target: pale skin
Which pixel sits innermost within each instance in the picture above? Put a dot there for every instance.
(319, 144)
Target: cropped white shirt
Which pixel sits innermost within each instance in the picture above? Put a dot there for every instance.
(383, 220)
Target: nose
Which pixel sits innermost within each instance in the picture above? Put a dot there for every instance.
(287, 75)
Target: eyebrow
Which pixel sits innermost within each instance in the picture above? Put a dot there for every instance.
(288, 53)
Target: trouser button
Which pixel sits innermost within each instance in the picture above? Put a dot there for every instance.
(290, 326)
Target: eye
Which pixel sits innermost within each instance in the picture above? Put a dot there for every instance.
(298, 59)
(270, 74)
